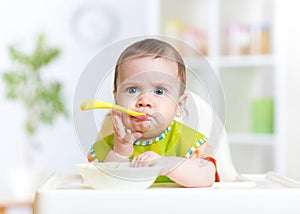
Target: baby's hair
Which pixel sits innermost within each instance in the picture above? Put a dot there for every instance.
(152, 48)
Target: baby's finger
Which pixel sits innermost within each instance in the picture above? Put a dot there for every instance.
(116, 113)
(141, 161)
(135, 162)
(136, 135)
(128, 136)
(118, 126)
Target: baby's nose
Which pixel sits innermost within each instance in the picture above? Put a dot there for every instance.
(144, 101)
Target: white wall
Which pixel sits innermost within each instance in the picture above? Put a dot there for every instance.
(20, 22)
(290, 31)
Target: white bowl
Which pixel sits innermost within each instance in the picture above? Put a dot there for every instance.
(118, 175)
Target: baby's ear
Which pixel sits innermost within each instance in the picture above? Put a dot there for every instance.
(181, 103)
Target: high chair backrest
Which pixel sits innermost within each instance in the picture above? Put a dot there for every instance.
(209, 124)
(206, 122)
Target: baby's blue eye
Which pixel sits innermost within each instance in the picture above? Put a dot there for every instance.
(159, 91)
(132, 90)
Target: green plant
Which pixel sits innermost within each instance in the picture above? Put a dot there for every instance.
(24, 82)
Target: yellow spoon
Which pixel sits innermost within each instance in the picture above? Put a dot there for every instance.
(94, 104)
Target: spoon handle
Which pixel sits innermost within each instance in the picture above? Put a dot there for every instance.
(95, 104)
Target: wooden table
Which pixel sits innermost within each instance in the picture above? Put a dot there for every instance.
(12, 203)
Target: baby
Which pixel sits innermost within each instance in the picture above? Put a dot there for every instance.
(150, 77)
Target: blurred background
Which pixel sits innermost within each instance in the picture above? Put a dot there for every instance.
(253, 46)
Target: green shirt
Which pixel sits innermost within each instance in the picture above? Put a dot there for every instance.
(177, 140)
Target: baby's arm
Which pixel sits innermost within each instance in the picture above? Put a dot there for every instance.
(195, 172)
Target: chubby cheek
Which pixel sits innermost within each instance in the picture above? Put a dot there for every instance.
(168, 111)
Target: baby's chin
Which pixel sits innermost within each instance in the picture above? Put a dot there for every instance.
(152, 133)
(150, 128)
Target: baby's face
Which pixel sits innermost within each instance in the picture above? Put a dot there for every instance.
(150, 86)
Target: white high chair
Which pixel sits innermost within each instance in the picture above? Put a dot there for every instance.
(64, 194)
(212, 127)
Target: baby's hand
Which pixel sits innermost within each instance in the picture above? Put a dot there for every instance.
(124, 138)
(148, 158)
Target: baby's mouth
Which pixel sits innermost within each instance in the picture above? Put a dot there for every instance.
(142, 118)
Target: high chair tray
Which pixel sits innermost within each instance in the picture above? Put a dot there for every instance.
(270, 193)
